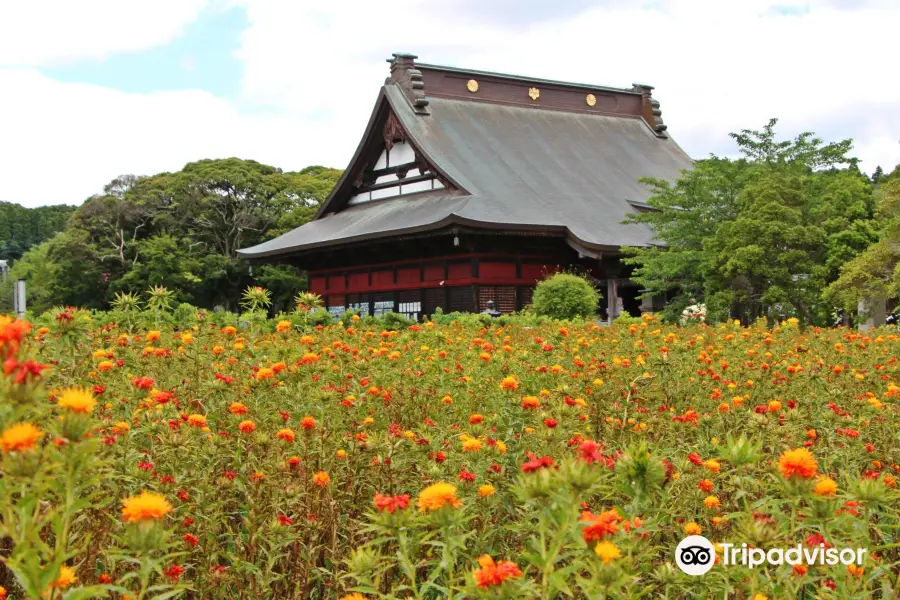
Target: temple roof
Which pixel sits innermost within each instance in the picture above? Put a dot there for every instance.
(566, 161)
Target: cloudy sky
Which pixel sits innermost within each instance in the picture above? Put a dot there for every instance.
(97, 88)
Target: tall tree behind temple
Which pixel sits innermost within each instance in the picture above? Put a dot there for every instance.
(22, 228)
(760, 235)
(180, 230)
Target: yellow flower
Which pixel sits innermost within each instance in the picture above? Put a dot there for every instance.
(825, 486)
(760, 597)
(607, 551)
(77, 400)
(66, 577)
(354, 596)
(282, 326)
(186, 338)
(438, 495)
(486, 490)
(470, 444)
(20, 437)
(692, 529)
(501, 447)
(342, 454)
(145, 507)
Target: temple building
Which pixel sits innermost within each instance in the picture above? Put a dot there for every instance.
(469, 186)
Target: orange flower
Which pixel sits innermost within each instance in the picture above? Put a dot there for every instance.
(711, 502)
(491, 573)
(530, 402)
(308, 423)
(321, 479)
(600, 526)
(825, 486)
(145, 507)
(238, 408)
(247, 426)
(265, 373)
(798, 463)
(196, 420)
(20, 437)
(509, 383)
(692, 529)
(65, 578)
(286, 434)
(436, 496)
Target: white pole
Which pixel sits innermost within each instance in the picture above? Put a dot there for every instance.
(19, 298)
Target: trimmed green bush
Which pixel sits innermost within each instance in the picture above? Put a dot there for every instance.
(565, 296)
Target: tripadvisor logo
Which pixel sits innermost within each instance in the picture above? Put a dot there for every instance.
(696, 555)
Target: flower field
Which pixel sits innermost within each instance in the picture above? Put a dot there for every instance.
(273, 460)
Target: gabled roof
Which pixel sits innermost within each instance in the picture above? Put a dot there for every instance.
(515, 153)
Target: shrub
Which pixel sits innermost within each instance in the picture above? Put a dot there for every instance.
(565, 296)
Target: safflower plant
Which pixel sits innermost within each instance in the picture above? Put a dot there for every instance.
(301, 457)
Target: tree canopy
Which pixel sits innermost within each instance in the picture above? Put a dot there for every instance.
(22, 228)
(763, 234)
(181, 230)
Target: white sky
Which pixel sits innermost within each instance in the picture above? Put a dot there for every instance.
(311, 71)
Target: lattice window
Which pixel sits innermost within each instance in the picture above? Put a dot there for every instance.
(337, 310)
(504, 298)
(525, 294)
(462, 299)
(435, 298)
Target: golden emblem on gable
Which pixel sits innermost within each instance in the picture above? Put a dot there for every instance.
(590, 99)
(472, 86)
(534, 93)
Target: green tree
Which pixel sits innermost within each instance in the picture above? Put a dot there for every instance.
(762, 234)
(182, 231)
(22, 228)
(875, 272)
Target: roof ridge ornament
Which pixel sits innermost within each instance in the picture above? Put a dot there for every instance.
(651, 111)
(405, 74)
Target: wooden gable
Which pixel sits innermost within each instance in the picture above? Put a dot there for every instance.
(392, 166)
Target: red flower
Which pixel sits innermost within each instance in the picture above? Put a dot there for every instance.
(390, 504)
(174, 572)
(535, 464)
(191, 540)
(285, 520)
(589, 451)
(142, 383)
(492, 573)
(551, 423)
(466, 476)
